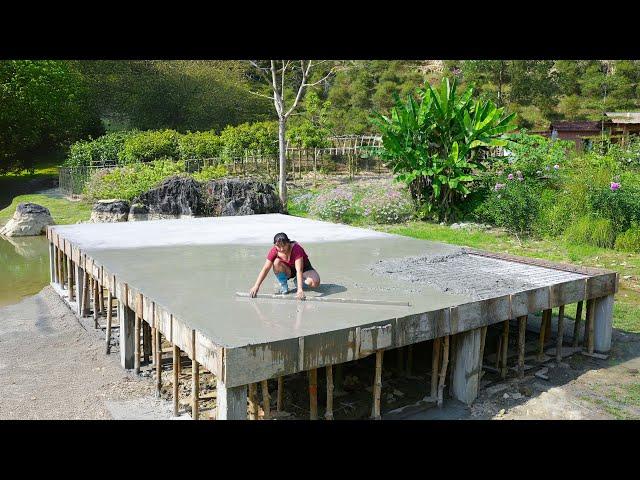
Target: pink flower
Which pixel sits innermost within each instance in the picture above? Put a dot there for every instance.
(499, 186)
(510, 176)
(556, 167)
(615, 186)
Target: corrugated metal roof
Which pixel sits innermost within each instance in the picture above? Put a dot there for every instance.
(624, 117)
(576, 126)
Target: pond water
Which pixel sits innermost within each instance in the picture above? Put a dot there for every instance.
(24, 267)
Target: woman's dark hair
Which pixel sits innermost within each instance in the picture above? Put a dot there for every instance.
(281, 237)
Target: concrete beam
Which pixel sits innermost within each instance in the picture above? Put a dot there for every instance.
(126, 317)
(466, 366)
(232, 402)
(603, 323)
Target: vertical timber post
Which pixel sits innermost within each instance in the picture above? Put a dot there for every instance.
(560, 334)
(313, 394)
(328, 414)
(377, 385)
(522, 335)
(443, 369)
(126, 316)
(576, 325)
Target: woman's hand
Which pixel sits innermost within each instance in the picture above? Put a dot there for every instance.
(254, 291)
(300, 295)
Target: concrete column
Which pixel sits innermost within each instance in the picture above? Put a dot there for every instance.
(52, 263)
(232, 402)
(466, 366)
(79, 285)
(603, 323)
(127, 320)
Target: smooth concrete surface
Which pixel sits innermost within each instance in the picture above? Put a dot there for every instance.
(603, 323)
(193, 267)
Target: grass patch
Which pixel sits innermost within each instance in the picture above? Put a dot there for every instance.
(62, 210)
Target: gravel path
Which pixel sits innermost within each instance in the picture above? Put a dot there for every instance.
(54, 367)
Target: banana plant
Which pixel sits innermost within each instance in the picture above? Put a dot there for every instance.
(432, 143)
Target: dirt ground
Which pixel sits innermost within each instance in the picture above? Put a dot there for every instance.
(53, 366)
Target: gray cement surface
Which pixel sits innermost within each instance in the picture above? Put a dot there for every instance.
(193, 267)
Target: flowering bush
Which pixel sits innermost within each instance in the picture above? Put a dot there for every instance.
(513, 205)
(387, 205)
(336, 204)
(620, 203)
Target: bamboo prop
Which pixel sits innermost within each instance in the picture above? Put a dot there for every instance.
(560, 334)
(313, 394)
(146, 342)
(377, 386)
(522, 333)
(195, 378)
(576, 325)
(85, 294)
(253, 401)
(158, 363)
(279, 396)
(327, 299)
(70, 279)
(505, 349)
(435, 366)
(138, 321)
(543, 328)
(176, 378)
(96, 304)
(266, 399)
(109, 322)
(443, 370)
(328, 414)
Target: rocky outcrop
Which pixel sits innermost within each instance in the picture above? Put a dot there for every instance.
(175, 197)
(29, 219)
(138, 212)
(111, 210)
(240, 197)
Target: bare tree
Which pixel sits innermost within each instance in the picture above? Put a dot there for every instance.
(280, 75)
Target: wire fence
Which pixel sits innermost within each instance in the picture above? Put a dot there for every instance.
(340, 160)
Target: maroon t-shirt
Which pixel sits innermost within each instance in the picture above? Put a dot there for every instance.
(296, 252)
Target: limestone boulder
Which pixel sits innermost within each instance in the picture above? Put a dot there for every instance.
(112, 210)
(232, 196)
(29, 219)
(175, 197)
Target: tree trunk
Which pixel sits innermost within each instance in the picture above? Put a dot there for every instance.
(283, 163)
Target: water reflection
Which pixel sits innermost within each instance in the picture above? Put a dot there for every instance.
(24, 267)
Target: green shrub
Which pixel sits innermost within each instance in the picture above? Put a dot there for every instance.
(211, 173)
(150, 145)
(259, 137)
(103, 150)
(200, 145)
(513, 205)
(629, 241)
(620, 206)
(129, 181)
(335, 204)
(387, 204)
(535, 155)
(598, 232)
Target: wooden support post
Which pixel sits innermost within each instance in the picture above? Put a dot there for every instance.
(498, 352)
(195, 378)
(52, 263)
(560, 334)
(409, 359)
(176, 378)
(590, 325)
(280, 394)
(435, 366)
(266, 399)
(328, 414)
(86, 294)
(232, 402)
(109, 321)
(313, 394)
(59, 264)
(146, 341)
(543, 327)
(505, 349)
(522, 333)
(96, 305)
(443, 370)
(101, 298)
(70, 278)
(377, 386)
(576, 325)
(137, 332)
(158, 362)
(126, 318)
(253, 401)
(154, 332)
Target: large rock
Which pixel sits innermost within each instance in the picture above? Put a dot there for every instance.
(175, 197)
(112, 210)
(234, 196)
(29, 219)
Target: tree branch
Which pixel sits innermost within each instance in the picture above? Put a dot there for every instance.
(261, 95)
